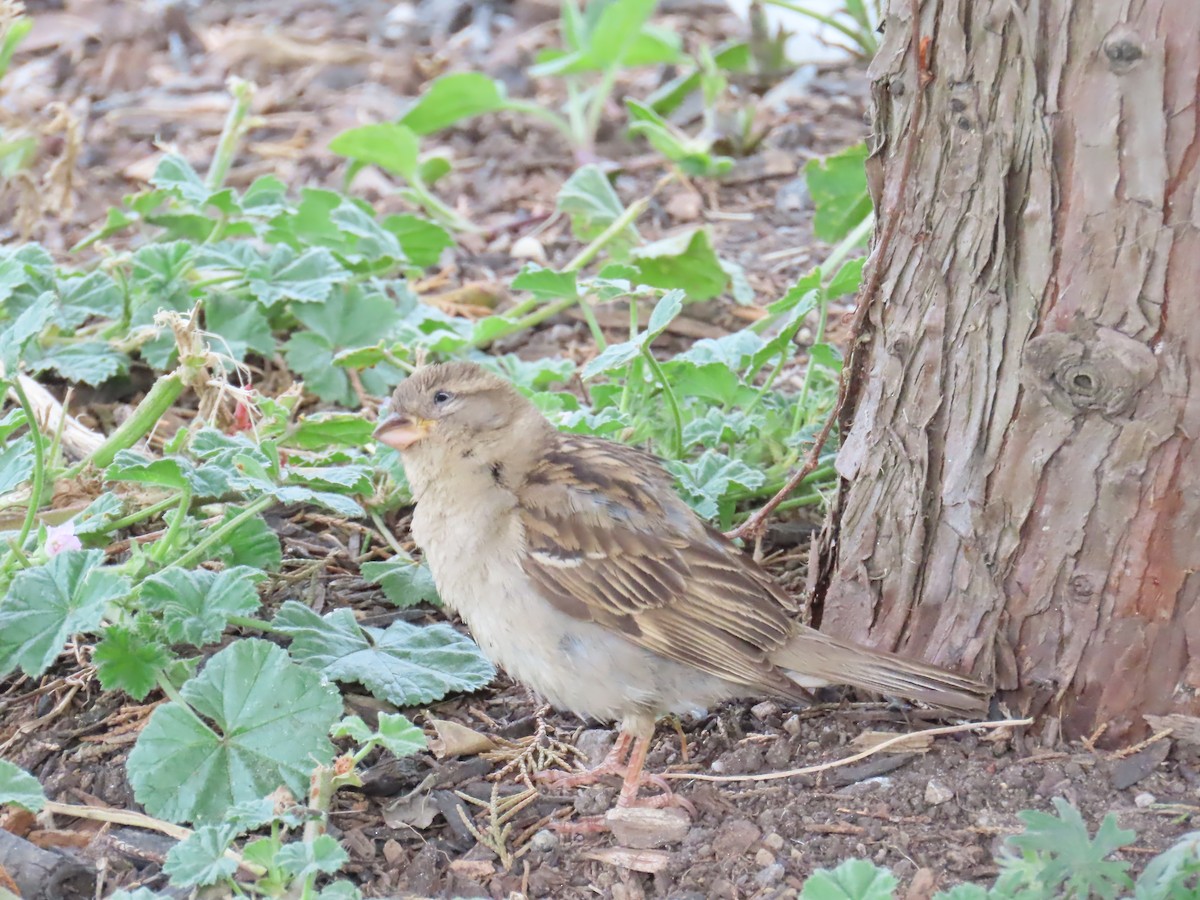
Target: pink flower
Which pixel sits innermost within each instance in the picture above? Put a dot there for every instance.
(62, 537)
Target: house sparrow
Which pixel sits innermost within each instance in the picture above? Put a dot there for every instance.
(583, 575)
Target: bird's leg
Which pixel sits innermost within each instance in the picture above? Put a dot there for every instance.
(635, 778)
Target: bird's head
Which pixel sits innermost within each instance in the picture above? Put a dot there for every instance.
(458, 405)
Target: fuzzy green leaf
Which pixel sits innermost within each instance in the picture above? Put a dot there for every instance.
(259, 721)
(407, 665)
(47, 604)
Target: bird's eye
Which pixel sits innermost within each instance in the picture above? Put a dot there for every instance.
(442, 397)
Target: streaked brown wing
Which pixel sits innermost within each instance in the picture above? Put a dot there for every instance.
(610, 541)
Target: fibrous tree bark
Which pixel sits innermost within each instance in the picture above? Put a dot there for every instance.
(1021, 477)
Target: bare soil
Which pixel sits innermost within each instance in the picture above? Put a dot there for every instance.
(133, 75)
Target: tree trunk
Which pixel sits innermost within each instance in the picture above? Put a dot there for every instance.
(1021, 491)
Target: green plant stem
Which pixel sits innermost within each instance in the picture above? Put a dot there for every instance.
(842, 249)
(599, 98)
(770, 489)
(534, 318)
(581, 259)
(164, 685)
(865, 41)
(172, 535)
(438, 209)
(576, 123)
(593, 324)
(141, 515)
(672, 402)
(231, 133)
(631, 214)
(802, 400)
(39, 466)
(156, 402)
(255, 624)
(198, 553)
(551, 118)
(627, 387)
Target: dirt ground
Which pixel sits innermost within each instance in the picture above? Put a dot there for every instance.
(134, 76)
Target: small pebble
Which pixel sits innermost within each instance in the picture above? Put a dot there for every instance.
(735, 837)
(773, 841)
(544, 841)
(937, 793)
(763, 711)
(792, 725)
(528, 247)
(1144, 800)
(772, 874)
(764, 857)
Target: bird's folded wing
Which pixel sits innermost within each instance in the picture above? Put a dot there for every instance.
(609, 541)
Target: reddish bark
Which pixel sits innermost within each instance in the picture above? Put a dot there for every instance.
(1022, 481)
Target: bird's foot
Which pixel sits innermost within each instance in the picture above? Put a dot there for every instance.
(612, 764)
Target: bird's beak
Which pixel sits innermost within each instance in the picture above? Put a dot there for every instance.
(400, 431)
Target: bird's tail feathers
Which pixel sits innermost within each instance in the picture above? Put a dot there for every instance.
(812, 659)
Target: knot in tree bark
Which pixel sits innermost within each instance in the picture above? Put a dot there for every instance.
(1090, 368)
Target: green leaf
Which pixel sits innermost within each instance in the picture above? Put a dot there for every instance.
(329, 429)
(592, 205)
(400, 736)
(47, 604)
(129, 465)
(735, 350)
(453, 98)
(242, 324)
(1172, 875)
(664, 313)
(20, 788)
(259, 721)
(407, 665)
(340, 890)
(838, 186)
(26, 326)
(545, 284)
(707, 480)
(614, 34)
(128, 661)
(351, 317)
(94, 294)
(89, 362)
(302, 858)
(855, 879)
(16, 464)
(825, 356)
(176, 175)
(200, 859)
(195, 604)
(1068, 856)
(404, 582)
(394, 148)
(847, 279)
(963, 892)
(422, 241)
(253, 543)
(685, 261)
(307, 278)
(614, 356)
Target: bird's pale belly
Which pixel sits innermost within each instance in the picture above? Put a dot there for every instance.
(575, 665)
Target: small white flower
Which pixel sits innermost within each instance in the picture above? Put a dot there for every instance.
(62, 537)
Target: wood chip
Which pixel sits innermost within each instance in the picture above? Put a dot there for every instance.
(649, 861)
(1185, 728)
(914, 743)
(475, 869)
(643, 828)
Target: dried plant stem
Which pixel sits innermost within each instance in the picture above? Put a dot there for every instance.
(871, 751)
